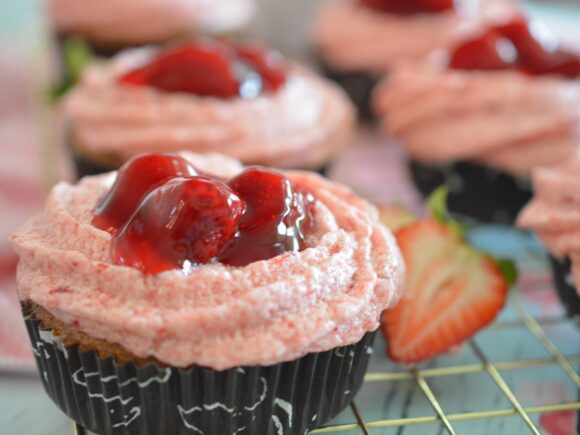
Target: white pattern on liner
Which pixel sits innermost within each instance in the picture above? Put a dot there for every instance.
(286, 406)
(135, 411)
(217, 405)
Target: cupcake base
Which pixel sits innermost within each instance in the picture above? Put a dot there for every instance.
(358, 85)
(477, 191)
(565, 287)
(121, 399)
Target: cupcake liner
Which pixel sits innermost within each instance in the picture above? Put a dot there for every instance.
(477, 191)
(565, 287)
(358, 85)
(108, 398)
(83, 166)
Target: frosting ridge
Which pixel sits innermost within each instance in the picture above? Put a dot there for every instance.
(501, 118)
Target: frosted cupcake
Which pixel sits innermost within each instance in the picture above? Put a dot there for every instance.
(109, 25)
(481, 119)
(359, 41)
(242, 101)
(554, 214)
(188, 294)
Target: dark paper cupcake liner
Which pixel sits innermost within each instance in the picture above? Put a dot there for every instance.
(109, 398)
(358, 85)
(565, 287)
(477, 191)
(83, 166)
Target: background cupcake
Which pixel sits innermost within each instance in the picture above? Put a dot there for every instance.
(359, 41)
(241, 101)
(504, 103)
(254, 327)
(109, 26)
(554, 214)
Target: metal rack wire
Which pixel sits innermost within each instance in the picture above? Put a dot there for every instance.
(485, 365)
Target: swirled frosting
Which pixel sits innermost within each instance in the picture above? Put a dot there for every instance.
(300, 125)
(504, 119)
(328, 295)
(130, 22)
(355, 38)
(554, 212)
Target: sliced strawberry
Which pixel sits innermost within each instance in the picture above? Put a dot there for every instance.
(452, 292)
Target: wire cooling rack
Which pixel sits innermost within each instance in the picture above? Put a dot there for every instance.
(485, 365)
(518, 376)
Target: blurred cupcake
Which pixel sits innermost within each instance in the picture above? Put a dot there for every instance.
(554, 214)
(242, 101)
(163, 301)
(480, 120)
(359, 41)
(109, 25)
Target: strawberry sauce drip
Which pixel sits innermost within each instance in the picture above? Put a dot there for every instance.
(409, 7)
(212, 70)
(163, 215)
(516, 46)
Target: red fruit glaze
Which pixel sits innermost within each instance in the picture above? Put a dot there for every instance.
(270, 65)
(135, 179)
(526, 52)
(208, 70)
(163, 216)
(407, 7)
(184, 222)
(275, 219)
(195, 69)
(490, 52)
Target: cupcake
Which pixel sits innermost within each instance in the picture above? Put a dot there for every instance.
(242, 101)
(359, 41)
(109, 26)
(188, 294)
(479, 120)
(554, 214)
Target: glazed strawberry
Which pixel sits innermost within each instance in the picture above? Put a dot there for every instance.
(212, 70)
(164, 215)
(274, 220)
(135, 179)
(269, 65)
(492, 51)
(409, 6)
(452, 291)
(184, 222)
(203, 70)
(515, 45)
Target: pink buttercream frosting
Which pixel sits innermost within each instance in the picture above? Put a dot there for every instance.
(328, 295)
(504, 119)
(554, 213)
(144, 21)
(301, 125)
(355, 38)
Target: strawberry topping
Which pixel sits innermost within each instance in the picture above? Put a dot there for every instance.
(516, 45)
(407, 7)
(212, 70)
(163, 214)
